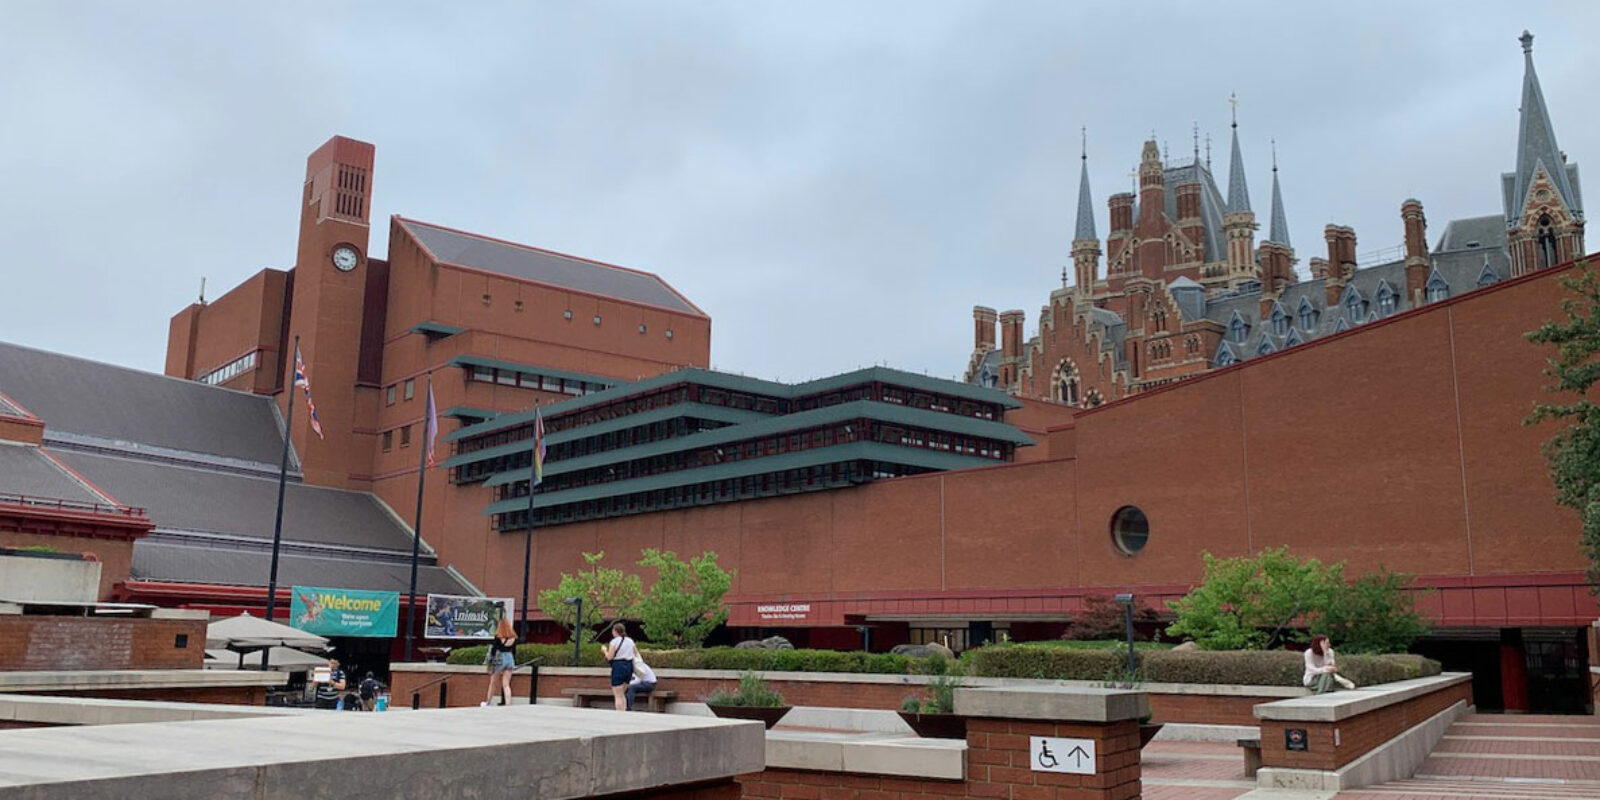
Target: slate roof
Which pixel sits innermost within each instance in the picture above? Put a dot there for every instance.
(78, 396)
(26, 470)
(1536, 147)
(1085, 228)
(1238, 188)
(181, 498)
(1212, 205)
(1473, 233)
(506, 258)
(166, 561)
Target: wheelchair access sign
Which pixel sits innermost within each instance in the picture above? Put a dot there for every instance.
(1049, 754)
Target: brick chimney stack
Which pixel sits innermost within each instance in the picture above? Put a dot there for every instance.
(983, 322)
(1341, 260)
(1416, 250)
(1010, 346)
(1277, 273)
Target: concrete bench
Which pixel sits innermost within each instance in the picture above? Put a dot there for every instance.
(582, 698)
(1252, 756)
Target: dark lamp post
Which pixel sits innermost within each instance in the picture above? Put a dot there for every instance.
(1126, 600)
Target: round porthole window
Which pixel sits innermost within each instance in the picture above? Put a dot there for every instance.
(1130, 529)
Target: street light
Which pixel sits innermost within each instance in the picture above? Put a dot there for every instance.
(577, 625)
(1126, 600)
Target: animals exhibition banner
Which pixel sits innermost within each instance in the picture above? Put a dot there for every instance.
(452, 616)
(344, 612)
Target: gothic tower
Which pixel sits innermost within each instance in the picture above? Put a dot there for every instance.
(1238, 221)
(1544, 215)
(1085, 242)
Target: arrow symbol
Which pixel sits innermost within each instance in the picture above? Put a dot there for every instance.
(1079, 753)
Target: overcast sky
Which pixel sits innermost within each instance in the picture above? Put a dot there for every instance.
(836, 184)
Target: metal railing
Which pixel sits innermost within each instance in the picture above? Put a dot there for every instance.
(7, 498)
(443, 682)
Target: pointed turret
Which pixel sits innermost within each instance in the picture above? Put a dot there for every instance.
(1238, 191)
(1536, 140)
(1085, 243)
(1543, 204)
(1279, 231)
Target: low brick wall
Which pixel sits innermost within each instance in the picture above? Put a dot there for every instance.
(794, 784)
(1334, 743)
(225, 695)
(1222, 705)
(29, 642)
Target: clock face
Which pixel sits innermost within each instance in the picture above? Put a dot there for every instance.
(345, 258)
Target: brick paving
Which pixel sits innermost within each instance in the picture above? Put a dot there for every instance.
(1193, 771)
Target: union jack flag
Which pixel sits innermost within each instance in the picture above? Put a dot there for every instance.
(538, 449)
(300, 380)
(431, 426)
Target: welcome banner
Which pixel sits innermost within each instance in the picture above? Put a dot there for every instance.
(453, 616)
(344, 612)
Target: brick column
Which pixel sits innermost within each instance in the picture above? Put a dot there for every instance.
(1003, 722)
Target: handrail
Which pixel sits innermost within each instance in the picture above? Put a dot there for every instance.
(444, 691)
(32, 501)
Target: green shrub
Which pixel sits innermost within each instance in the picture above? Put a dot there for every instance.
(1241, 667)
(753, 691)
(554, 655)
(1104, 618)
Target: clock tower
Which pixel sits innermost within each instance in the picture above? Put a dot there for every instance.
(328, 290)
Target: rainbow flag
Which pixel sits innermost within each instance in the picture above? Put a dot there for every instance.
(301, 381)
(538, 449)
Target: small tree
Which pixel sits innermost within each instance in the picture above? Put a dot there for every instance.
(1104, 618)
(608, 595)
(1374, 614)
(1243, 603)
(685, 603)
(1574, 452)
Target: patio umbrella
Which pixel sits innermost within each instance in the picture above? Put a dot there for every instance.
(282, 659)
(250, 634)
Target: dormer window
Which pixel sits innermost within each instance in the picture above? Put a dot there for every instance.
(1354, 307)
(1436, 288)
(1238, 329)
(1225, 356)
(1265, 348)
(1308, 316)
(1280, 321)
(1387, 301)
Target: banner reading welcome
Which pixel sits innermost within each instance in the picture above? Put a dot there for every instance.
(344, 612)
(453, 616)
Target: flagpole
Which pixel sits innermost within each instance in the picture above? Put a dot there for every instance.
(416, 528)
(283, 478)
(527, 534)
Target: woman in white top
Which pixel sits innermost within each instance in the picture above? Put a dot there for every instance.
(1321, 672)
(620, 651)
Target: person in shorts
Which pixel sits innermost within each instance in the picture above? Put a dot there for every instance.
(621, 653)
(502, 660)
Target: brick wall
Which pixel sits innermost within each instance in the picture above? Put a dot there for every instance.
(91, 643)
(1331, 745)
(468, 688)
(218, 695)
(997, 767)
(714, 790)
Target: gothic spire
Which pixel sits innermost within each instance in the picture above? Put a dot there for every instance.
(1238, 192)
(1085, 200)
(1279, 232)
(1536, 143)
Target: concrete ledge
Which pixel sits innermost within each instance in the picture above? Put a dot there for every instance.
(1336, 706)
(1396, 759)
(97, 680)
(530, 751)
(1189, 732)
(49, 710)
(1056, 703)
(1222, 690)
(867, 754)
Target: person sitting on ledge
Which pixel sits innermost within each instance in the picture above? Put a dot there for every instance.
(1322, 674)
(643, 682)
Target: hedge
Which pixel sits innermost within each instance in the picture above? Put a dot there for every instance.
(1247, 668)
(726, 658)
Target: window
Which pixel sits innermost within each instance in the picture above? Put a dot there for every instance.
(1354, 306)
(229, 371)
(388, 398)
(1280, 321)
(1387, 301)
(1487, 277)
(483, 374)
(1225, 357)
(388, 436)
(1130, 529)
(405, 436)
(1308, 316)
(411, 388)
(1547, 242)
(1068, 388)
(1437, 289)
(1265, 348)
(1237, 329)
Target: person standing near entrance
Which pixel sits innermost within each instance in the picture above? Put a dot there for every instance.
(620, 651)
(331, 691)
(502, 660)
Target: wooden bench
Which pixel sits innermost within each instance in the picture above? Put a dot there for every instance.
(658, 699)
(1252, 756)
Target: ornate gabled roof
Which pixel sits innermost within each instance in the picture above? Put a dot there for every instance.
(1279, 232)
(1536, 147)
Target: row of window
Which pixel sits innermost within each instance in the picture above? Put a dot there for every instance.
(839, 433)
(232, 369)
(534, 380)
(388, 438)
(640, 434)
(409, 387)
(825, 476)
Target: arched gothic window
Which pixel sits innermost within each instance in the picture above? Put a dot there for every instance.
(1547, 242)
(1068, 387)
